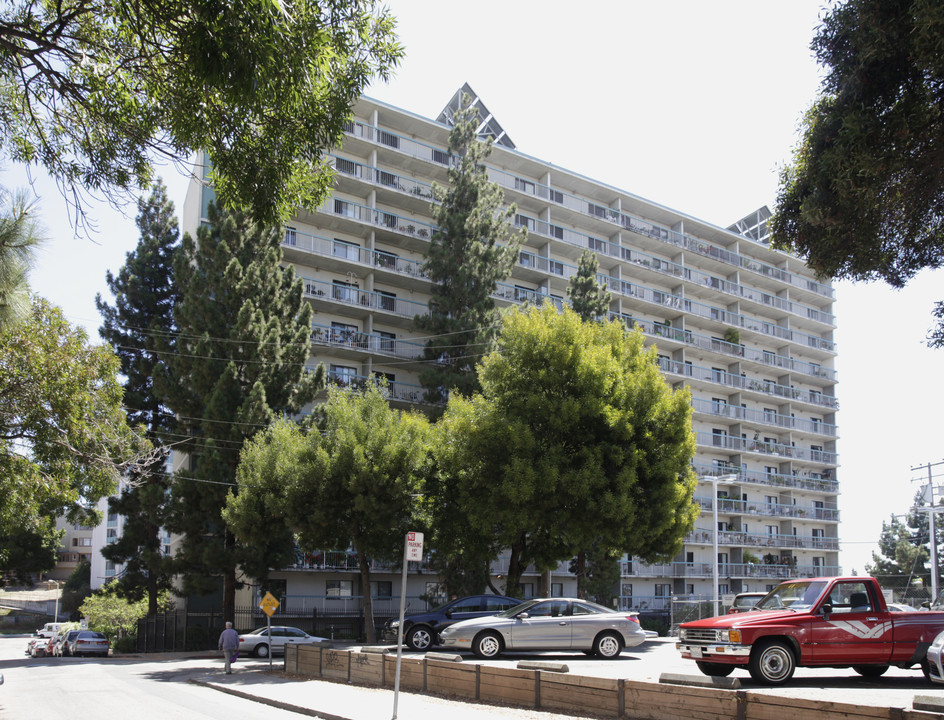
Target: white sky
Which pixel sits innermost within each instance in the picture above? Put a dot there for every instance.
(690, 104)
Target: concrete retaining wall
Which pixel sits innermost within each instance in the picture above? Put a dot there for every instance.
(565, 693)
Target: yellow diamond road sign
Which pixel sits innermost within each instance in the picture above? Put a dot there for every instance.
(269, 604)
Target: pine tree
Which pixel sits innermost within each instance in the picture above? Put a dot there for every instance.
(19, 237)
(242, 340)
(588, 299)
(137, 327)
(473, 249)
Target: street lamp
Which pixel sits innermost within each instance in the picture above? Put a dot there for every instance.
(715, 481)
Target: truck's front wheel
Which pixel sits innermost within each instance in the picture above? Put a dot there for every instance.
(772, 663)
(714, 669)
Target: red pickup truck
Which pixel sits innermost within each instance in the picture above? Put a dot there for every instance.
(834, 622)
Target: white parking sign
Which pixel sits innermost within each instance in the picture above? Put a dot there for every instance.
(414, 546)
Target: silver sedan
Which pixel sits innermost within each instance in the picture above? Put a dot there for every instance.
(547, 624)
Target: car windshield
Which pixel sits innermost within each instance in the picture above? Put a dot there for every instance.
(793, 595)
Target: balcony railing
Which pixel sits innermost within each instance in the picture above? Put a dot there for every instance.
(762, 477)
(349, 295)
(405, 392)
(763, 417)
(383, 178)
(782, 450)
(784, 571)
(731, 506)
(368, 342)
(780, 540)
(326, 247)
(721, 377)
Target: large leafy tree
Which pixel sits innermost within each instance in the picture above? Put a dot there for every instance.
(138, 327)
(237, 363)
(864, 196)
(350, 480)
(64, 439)
(93, 91)
(575, 438)
(19, 237)
(473, 249)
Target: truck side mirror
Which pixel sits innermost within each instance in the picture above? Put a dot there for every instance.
(827, 608)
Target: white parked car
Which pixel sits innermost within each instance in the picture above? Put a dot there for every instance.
(935, 660)
(259, 644)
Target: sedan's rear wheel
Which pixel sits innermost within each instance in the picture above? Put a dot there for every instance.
(870, 671)
(487, 645)
(262, 650)
(607, 646)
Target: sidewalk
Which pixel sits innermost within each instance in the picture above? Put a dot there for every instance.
(337, 701)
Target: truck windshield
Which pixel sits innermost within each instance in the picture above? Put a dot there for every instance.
(793, 595)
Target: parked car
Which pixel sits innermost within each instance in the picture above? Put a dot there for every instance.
(901, 607)
(421, 630)
(41, 647)
(835, 622)
(745, 601)
(259, 644)
(49, 630)
(60, 647)
(548, 624)
(88, 642)
(935, 658)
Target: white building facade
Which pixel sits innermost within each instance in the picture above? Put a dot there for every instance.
(748, 329)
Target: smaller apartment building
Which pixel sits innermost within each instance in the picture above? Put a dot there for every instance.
(748, 329)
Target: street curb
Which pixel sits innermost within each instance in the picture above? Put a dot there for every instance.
(266, 701)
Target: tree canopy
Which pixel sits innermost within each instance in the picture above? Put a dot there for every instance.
(19, 237)
(575, 439)
(473, 249)
(64, 440)
(94, 91)
(350, 480)
(237, 362)
(864, 196)
(138, 327)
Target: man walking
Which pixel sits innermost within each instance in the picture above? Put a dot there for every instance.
(229, 644)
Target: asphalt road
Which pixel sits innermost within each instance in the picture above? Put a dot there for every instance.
(155, 688)
(137, 688)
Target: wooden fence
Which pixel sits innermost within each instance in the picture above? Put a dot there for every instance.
(570, 694)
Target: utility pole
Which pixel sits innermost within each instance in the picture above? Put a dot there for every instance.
(932, 511)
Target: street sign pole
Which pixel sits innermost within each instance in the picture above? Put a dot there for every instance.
(412, 550)
(269, 605)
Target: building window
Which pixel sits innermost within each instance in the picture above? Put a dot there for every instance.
(524, 185)
(388, 341)
(388, 138)
(524, 221)
(663, 590)
(339, 588)
(343, 376)
(440, 157)
(291, 236)
(109, 568)
(527, 590)
(346, 250)
(388, 300)
(381, 589)
(596, 244)
(557, 589)
(344, 291)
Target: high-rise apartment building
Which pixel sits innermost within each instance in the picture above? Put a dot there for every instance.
(747, 328)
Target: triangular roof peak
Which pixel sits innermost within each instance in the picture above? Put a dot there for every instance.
(488, 125)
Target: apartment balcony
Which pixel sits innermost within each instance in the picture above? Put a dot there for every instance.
(730, 506)
(351, 301)
(811, 481)
(776, 571)
(713, 376)
(344, 561)
(773, 449)
(358, 344)
(401, 230)
(414, 193)
(430, 157)
(340, 256)
(396, 392)
(731, 538)
(763, 417)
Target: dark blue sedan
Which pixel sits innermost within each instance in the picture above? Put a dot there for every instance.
(421, 630)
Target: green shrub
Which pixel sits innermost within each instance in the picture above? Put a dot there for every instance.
(126, 644)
